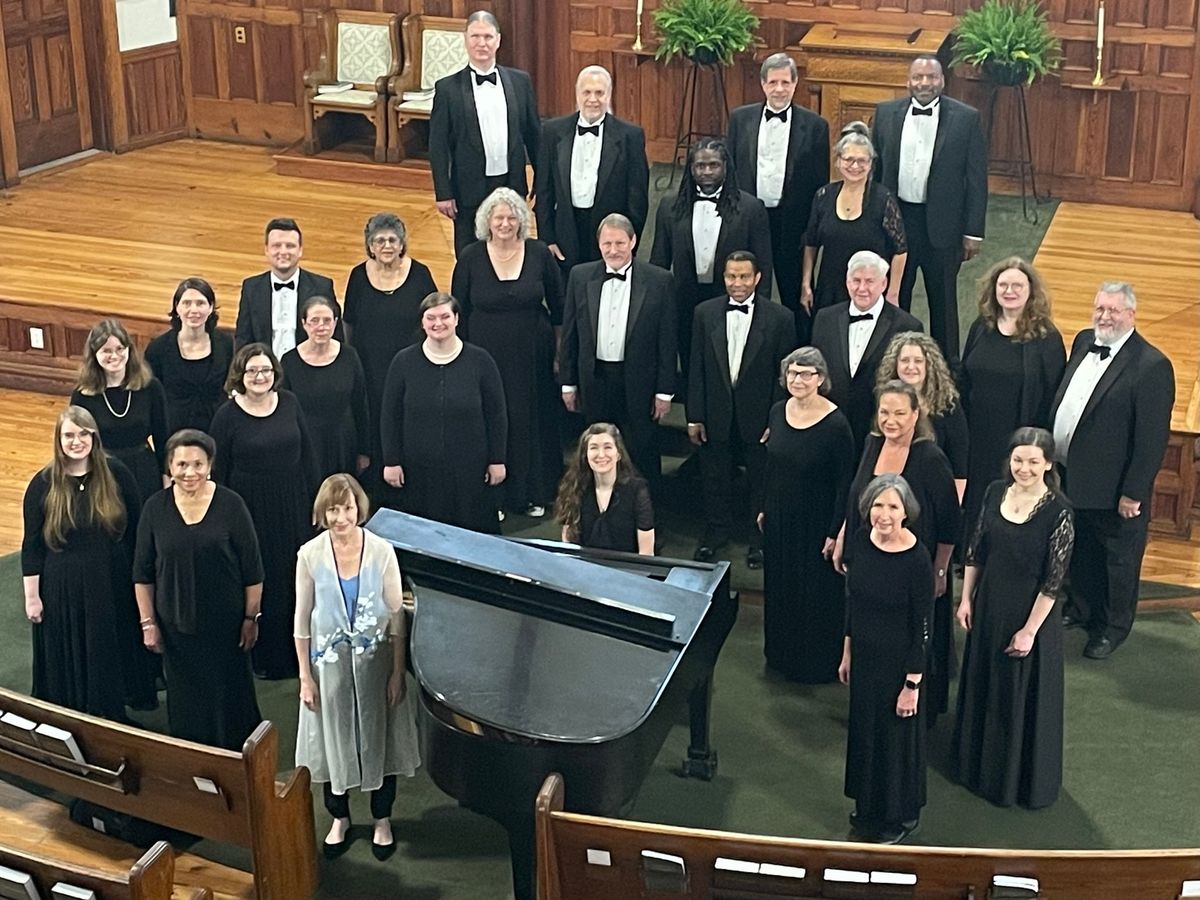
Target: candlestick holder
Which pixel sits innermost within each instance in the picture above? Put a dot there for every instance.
(638, 46)
(1098, 78)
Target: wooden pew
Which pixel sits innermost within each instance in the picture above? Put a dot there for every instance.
(151, 877)
(217, 794)
(593, 858)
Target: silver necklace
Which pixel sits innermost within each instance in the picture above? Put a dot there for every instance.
(128, 403)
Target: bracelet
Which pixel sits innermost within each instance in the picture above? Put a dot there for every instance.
(146, 626)
(912, 685)
(254, 618)
(147, 621)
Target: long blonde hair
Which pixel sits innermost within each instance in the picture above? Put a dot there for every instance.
(103, 497)
(938, 393)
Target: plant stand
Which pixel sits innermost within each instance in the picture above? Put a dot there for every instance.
(1022, 166)
(688, 109)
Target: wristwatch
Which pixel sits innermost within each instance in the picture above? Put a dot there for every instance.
(254, 618)
(912, 685)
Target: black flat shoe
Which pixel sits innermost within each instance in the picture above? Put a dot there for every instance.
(333, 851)
(383, 851)
(895, 834)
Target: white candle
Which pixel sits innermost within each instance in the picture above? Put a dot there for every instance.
(640, 6)
(1100, 27)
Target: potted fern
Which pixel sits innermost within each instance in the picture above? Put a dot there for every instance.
(706, 31)
(1009, 40)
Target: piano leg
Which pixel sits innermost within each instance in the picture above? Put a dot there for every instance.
(521, 847)
(701, 759)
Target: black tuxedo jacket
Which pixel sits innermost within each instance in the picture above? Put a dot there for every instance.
(807, 165)
(649, 335)
(254, 307)
(831, 335)
(711, 398)
(456, 144)
(1122, 434)
(622, 180)
(745, 229)
(956, 198)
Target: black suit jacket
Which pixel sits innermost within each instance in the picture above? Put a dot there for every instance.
(649, 335)
(622, 180)
(956, 197)
(1118, 445)
(456, 144)
(711, 398)
(254, 307)
(831, 335)
(744, 229)
(807, 165)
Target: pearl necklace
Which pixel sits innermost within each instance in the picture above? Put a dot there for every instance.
(128, 403)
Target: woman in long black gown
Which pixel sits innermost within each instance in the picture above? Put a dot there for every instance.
(383, 316)
(192, 357)
(81, 515)
(1012, 362)
(199, 579)
(1008, 738)
(810, 458)
(889, 588)
(855, 213)
(602, 501)
(327, 378)
(508, 285)
(265, 454)
(444, 424)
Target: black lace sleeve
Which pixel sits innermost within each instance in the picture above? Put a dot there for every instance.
(893, 225)
(1058, 557)
(977, 539)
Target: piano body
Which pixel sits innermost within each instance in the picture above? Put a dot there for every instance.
(536, 657)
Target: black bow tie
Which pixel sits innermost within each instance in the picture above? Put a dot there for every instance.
(593, 130)
(922, 110)
(1104, 351)
(280, 285)
(620, 276)
(781, 115)
(480, 79)
(737, 307)
(708, 198)
(865, 317)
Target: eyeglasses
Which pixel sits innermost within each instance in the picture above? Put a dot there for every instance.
(805, 375)
(854, 162)
(108, 351)
(76, 435)
(260, 372)
(387, 241)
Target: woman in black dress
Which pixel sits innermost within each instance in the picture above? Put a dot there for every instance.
(810, 458)
(444, 424)
(192, 358)
(1012, 362)
(602, 501)
(853, 214)
(889, 587)
(915, 358)
(383, 316)
(265, 454)
(902, 443)
(327, 378)
(199, 580)
(1008, 739)
(127, 402)
(508, 285)
(80, 520)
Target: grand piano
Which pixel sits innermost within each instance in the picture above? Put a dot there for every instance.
(536, 657)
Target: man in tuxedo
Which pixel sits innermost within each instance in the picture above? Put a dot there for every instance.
(1111, 419)
(696, 230)
(269, 308)
(781, 151)
(853, 336)
(592, 164)
(617, 353)
(483, 126)
(738, 341)
(931, 153)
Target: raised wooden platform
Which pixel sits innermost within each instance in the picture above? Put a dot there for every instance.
(346, 163)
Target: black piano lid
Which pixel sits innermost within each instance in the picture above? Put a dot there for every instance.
(491, 642)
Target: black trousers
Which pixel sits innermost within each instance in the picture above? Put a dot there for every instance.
(638, 429)
(1106, 566)
(719, 457)
(338, 805)
(939, 268)
(687, 298)
(464, 220)
(787, 258)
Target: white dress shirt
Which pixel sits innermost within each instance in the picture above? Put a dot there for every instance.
(614, 317)
(706, 229)
(585, 164)
(773, 139)
(283, 315)
(737, 327)
(1079, 391)
(491, 107)
(860, 334)
(916, 152)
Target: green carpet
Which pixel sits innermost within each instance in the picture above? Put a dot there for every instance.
(1132, 725)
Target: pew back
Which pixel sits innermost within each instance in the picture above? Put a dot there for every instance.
(150, 878)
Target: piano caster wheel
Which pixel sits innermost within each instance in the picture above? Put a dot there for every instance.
(700, 765)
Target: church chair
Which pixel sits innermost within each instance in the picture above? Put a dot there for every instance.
(433, 48)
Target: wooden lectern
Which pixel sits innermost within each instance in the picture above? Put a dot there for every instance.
(854, 67)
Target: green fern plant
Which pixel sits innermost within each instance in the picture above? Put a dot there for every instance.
(711, 31)
(1010, 40)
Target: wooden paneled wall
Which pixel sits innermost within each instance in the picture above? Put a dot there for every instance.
(155, 109)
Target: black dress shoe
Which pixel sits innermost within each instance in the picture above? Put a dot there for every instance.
(754, 558)
(383, 851)
(1099, 648)
(895, 834)
(1072, 621)
(705, 554)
